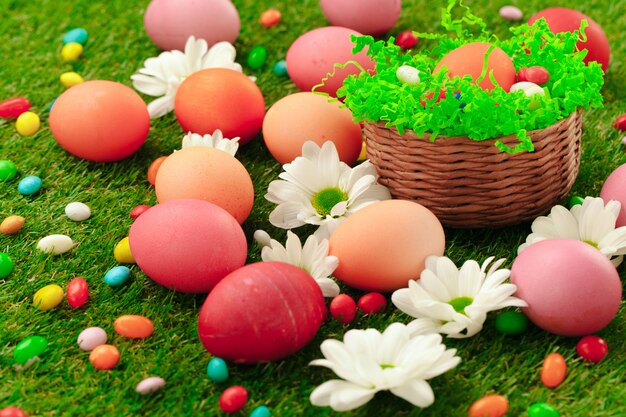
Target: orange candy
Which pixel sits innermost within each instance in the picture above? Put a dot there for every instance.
(490, 406)
(133, 326)
(270, 17)
(11, 225)
(154, 168)
(104, 357)
(553, 370)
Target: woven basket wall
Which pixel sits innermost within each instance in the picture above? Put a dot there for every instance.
(472, 184)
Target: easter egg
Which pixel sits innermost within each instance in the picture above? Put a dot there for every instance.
(77, 211)
(233, 399)
(370, 17)
(614, 188)
(217, 98)
(77, 35)
(48, 297)
(29, 185)
(55, 244)
(122, 253)
(11, 225)
(313, 55)
(592, 348)
(469, 59)
(300, 117)
(77, 292)
(553, 370)
(589, 288)
(187, 245)
(262, 312)
(12, 412)
(6, 265)
(104, 357)
(8, 170)
(562, 19)
(13, 107)
(206, 174)
(372, 303)
(101, 121)
(150, 385)
(29, 348)
(116, 276)
(91, 337)
(406, 39)
(343, 308)
(384, 245)
(133, 326)
(169, 23)
(493, 405)
(217, 370)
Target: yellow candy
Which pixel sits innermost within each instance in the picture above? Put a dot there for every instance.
(27, 124)
(363, 154)
(122, 252)
(70, 79)
(71, 51)
(48, 297)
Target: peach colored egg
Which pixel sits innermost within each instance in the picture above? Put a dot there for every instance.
(383, 246)
(468, 60)
(614, 188)
(371, 17)
(206, 174)
(300, 117)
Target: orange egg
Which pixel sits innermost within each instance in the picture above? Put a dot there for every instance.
(206, 174)
(469, 59)
(553, 370)
(154, 168)
(133, 326)
(383, 246)
(104, 357)
(489, 406)
(217, 98)
(299, 117)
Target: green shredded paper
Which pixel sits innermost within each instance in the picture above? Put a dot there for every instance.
(486, 114)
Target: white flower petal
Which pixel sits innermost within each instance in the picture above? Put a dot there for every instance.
(341, 395)
(418, 392)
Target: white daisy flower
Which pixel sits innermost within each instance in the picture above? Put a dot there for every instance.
(593, 222)
(317, 188)
(368, 362)
(312, 257)
(161, 76)
(455, 301)
(216, 140)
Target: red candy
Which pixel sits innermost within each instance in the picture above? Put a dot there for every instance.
(537, 74)
(138, 211)
(13, 107)
(620, 123)
(343, 308)
(233, 399)
(12, 412)
(406, 39)
(592, 348)
(372, 303)
(77, 292)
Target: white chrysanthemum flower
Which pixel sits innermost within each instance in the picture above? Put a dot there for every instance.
(455, 301)
(312, 257)
(593, 222)
(161, 76)
(369, 361)
(317, 188)
(216, 140)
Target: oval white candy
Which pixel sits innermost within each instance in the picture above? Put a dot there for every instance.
(56, 244)
(530, 89)
(511, 13)
(91, 338)
(408, 74)
(149, 385)
(77, 211)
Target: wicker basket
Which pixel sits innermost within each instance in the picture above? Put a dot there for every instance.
(471, 184)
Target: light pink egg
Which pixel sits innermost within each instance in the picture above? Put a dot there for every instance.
(371, 17)
(614, 188)
(571, 288)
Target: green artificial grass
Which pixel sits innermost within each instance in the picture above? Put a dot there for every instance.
(63, 383)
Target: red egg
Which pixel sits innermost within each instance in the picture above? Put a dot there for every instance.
(469, 59)
(343, 308)
(187, 245)
(233, 399)
(561, 19)
(592, 348)
(101, 121)
(262, 312)
(218, 98)
(138, 211)
(13, 107)
(77, 292)
(372, 303)
(406, 39)
(620, 123)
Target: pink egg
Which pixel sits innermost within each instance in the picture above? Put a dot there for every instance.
(312, 56)
(571, 288)
(371, 17)
(170, 22)
(261, 312)
(614, 188)
(187, 245)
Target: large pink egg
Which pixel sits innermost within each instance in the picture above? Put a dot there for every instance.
(371, 17)
(571, 288)
(169, 23)
(614, 188)
(313, 55)
(262, 312)
(187, 245)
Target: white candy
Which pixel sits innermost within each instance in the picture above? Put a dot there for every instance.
(624, 140)
(408, 74)
(56, 244)
(91, 338)
(530, 89)
(511, 13)
(77, 211)
(150, 385)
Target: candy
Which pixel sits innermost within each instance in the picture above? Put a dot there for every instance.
(553, 370)
(406, 39)
(343, 308)
(116, 276)
(511, 323)
(77, 211)
(71, 51)
(233, 399)
(154, 168)
(133, 326)
(592, 348)
(150, 385)
(408, 74)
(78, 35)
(12, 412)
(48, 297)
(489, 406)
(11, 225)
(29, 185)
(372, 303)
(511, 13)
(536, 74)
(620, 123)
(6, 265)
(217, 370)
(257, 57)
(530, 89)
(70, 79)
(575, 200)
(260, 411)
(13, 107)
(8, 170)
(55, 244)
(104, 357)
(138, 211)
(77, 292)
(542, 410)
(91, 338)
(270, 17)
(280, 68)
(122, 252)
(29, 348)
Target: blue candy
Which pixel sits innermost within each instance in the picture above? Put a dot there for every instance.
(78, 35)
(117, 276)
(261, 411)
(280, 68)
(217, 370)
(29, 185)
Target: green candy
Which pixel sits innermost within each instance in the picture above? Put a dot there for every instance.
(8, 170)
(542, 410)
(6, 265)
(257, 57)
(511, 323)
(28, 348)
(575, 200)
